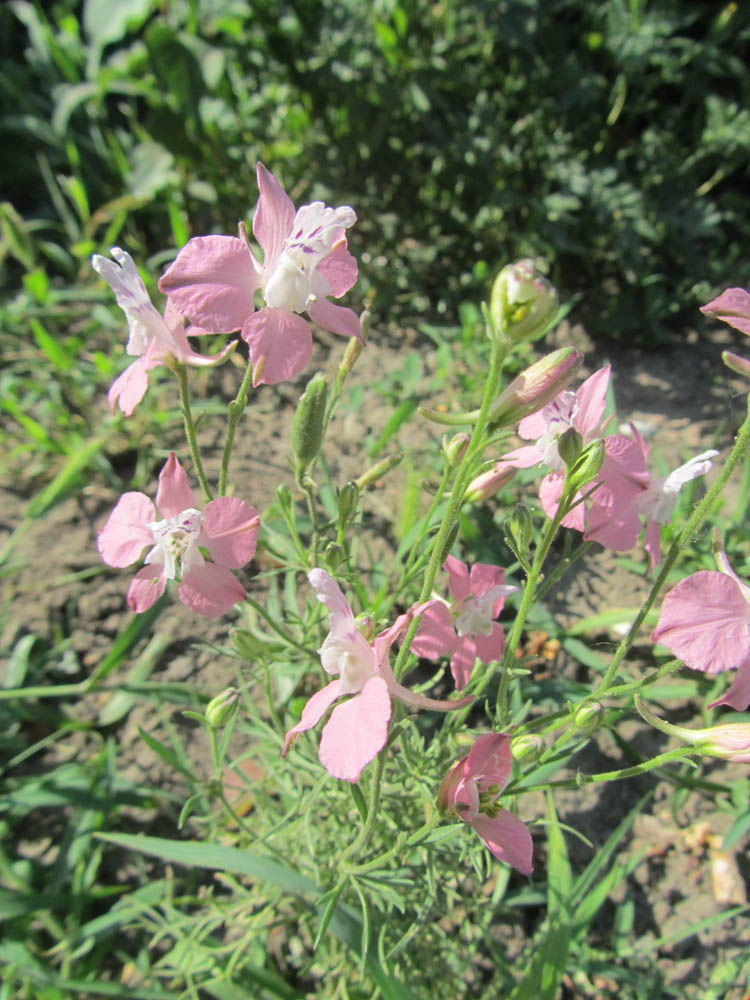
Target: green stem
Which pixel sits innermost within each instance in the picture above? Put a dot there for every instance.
(307, 488)
(363, 838)
(701, 512)
(562, 568)
(187, 417)
(399, 847)
(236, 409)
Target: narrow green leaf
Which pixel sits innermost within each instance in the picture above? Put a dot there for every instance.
(400, 415)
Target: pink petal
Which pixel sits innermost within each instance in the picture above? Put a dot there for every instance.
(489, 760)
(531, 428)
(484, 577)
(313, 712)
(124, 536)
(328, 592)
(550, 491)
(356, 731)
(337, 319)
(525, 457)
(231, 529)
(462, 662)
(210, 590)
(507, 838)
(458, 578)
(436, 635)
(490, 647)
(212, 282)
(273, 219)
(613, 527)
(339, 269)
(733, 307)
(146, 588)
(705, 622)
(280, 345)
(129, 388)
(592, 399)
(174, 494)
(653, 544)
(738, 695)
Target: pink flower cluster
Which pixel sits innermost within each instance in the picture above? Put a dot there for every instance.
(624, 491)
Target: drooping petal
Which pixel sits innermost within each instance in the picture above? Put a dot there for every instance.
(230, 527)
(732, 307)
(280, 345)
(490, 647)
(592, 398)
(337, 319)
(436, 635)
(507, 838)
(125, 535)
(174, 494)
(274, 215)
(458, 579)
(705, 622)
(144, 322)
(210, 590)
(339, 269)
(616, 528)
(212, 281)
(463, 660)
(146, 588)
(356, 731)
(489, 760)
(313, 712)
(129, 388)
(738, 695)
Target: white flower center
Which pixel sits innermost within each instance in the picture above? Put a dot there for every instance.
(351, 657)
(474, 614)
(176, 539)
(295, 281)
(558, 415)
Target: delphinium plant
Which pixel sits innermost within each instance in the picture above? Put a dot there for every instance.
(381, 720)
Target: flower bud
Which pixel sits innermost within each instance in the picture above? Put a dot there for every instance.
(527, 748)
(286, 500)
(520, 527)
(334, 555)
(378, 470)
(587, 717)
(486, 485)
(535, 387)
(522, 303)
(222, 709)
(588, 466)
(570, 446)
(347, 502)
(455, 448)
(354, 348)
(736, 363)
(307, 425)
(730, 742)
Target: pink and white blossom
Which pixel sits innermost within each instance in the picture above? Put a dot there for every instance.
(179, 544)
(464, 627)
(358, 728)
(705, 622)
(628, 493)
(471, 791)
(213, 280)
(154, 339)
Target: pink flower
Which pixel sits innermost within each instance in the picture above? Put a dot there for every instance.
(213, 280)
(705, 622)
(582, 410)
(226, 527)
(471, 790)
(732, 307)
(154, 340)
(464, 628)
(357, 729)
(628, 493)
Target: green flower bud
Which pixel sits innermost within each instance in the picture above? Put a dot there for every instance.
(354, 348)
(587, 717)
(378, 471)
(737, 363)
(307, 425)
(527, 748)
(588, 466)
(570, 446)
(523, 303)
(454, 448)
(286, 500)
(347, 502)
(222, 709)
(334, 555)
(520, 527)
(535, 387)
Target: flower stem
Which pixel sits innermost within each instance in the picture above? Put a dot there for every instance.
(187, 417)
(699, 515)
(364, 835)
(236, 408)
